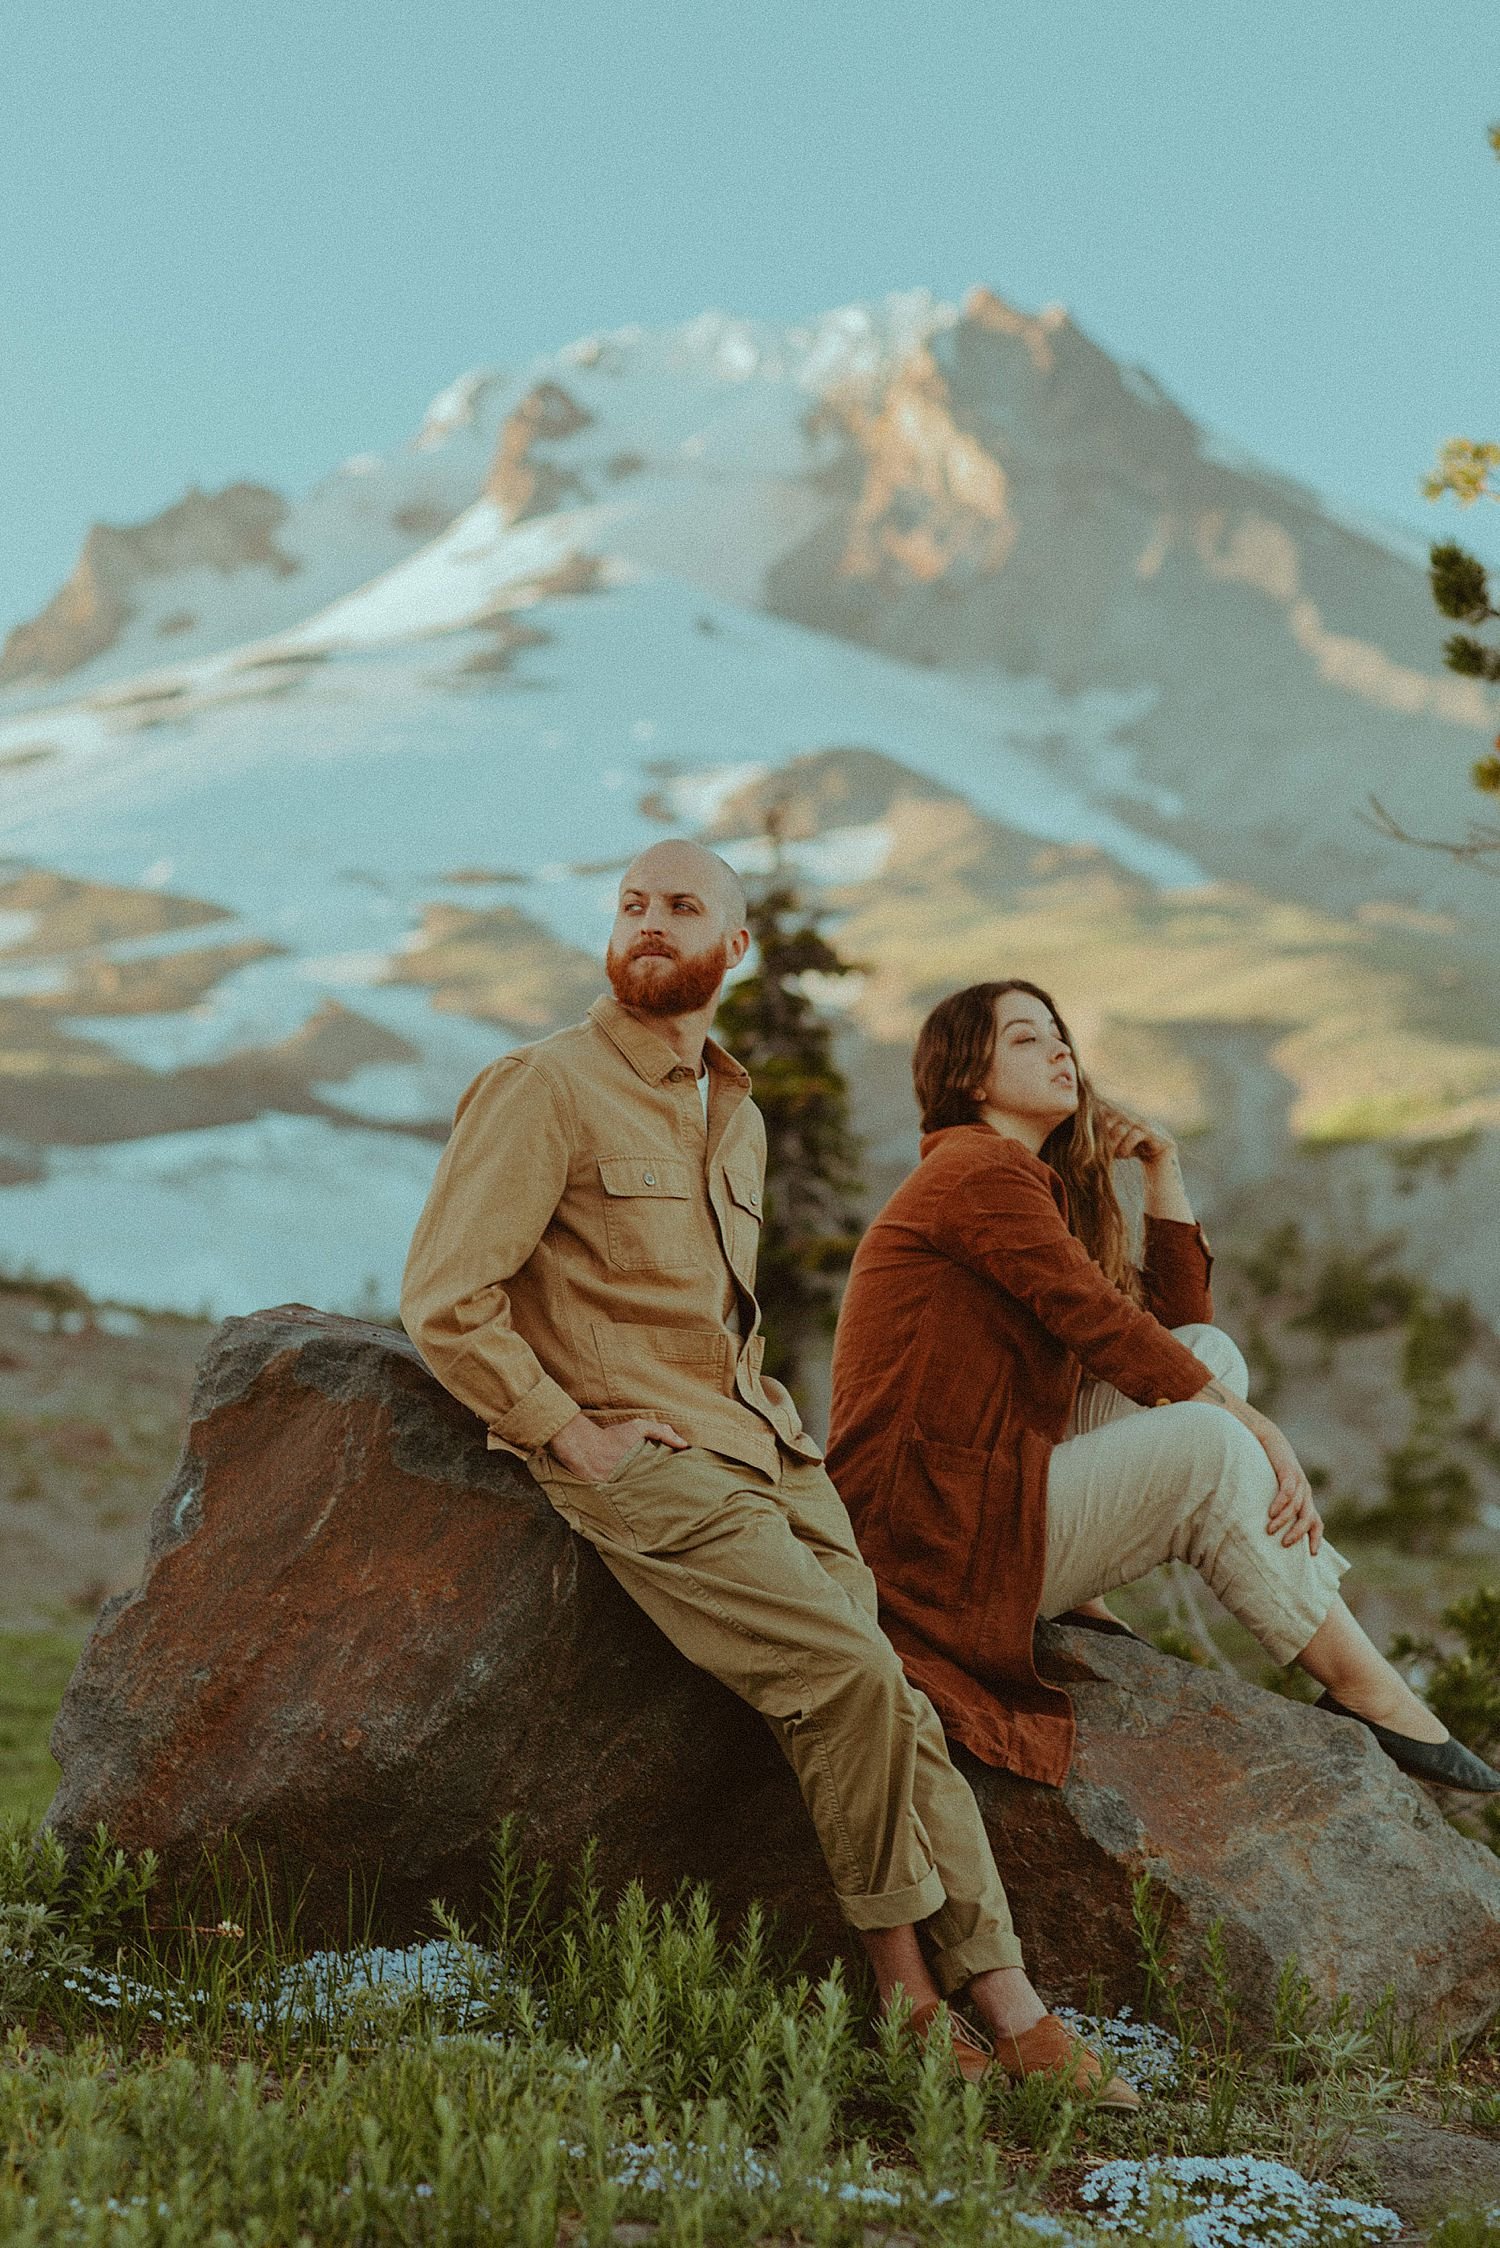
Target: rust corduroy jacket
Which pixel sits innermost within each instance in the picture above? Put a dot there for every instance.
(970, 1311)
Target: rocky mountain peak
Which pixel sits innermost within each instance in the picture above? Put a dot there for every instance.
(1036, 383)
(234, 529)
(982, 308)
(455, 408)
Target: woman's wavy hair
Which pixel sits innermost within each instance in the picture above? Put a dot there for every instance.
(955, 1047)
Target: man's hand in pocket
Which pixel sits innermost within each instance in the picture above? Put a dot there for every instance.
(590, 1452)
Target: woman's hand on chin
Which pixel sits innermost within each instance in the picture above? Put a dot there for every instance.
(1133, 1138)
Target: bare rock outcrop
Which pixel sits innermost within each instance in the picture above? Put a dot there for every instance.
(498, 964)
(362, 1638)
(523, 481)
(234, 529)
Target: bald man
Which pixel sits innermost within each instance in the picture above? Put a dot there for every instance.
(582, 1277)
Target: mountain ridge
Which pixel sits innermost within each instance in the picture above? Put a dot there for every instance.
(1061, 686)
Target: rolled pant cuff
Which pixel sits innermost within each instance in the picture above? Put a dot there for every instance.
(897, 1908)
(977, 1955)
(1289, 1630)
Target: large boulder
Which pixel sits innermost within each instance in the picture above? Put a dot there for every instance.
(362, 1639)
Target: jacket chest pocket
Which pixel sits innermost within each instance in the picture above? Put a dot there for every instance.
(649, 1218)
(746, 1216)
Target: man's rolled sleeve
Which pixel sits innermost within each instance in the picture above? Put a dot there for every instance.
(536, 1418)
(499, 1180)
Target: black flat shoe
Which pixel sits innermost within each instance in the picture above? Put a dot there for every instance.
(1445, 1763)
(1076, 1620)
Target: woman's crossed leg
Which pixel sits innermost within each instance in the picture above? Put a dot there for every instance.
(1136, 1486)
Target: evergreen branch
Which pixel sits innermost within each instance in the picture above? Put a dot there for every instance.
(1470, 657)
(1460, 587)
(1479, 847)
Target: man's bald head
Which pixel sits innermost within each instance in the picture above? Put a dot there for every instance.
(678, 865)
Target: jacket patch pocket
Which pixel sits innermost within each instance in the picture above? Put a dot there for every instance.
(648, 1213)
(642, 1368)
(747, 1217)
(936, 1510)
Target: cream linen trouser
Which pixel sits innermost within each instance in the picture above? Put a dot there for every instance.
(1130, 1487)
(757, 1579)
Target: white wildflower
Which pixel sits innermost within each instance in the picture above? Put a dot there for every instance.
(1146, 2054)
(459, 1981)
(1232, 2201)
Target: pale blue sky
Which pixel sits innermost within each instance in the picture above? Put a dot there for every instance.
(249, 242)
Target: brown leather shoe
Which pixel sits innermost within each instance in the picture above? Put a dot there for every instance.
(973, 2054)
(1049, 2048)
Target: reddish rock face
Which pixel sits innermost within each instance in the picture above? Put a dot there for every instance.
(362, 1639)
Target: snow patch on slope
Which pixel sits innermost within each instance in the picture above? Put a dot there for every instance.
(284, 1209)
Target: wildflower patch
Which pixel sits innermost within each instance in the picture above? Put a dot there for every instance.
(1145, 2053)
(1232, 2201)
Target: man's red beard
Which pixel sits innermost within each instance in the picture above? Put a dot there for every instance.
(654, 983)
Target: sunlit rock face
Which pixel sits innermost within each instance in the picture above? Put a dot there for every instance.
(362, 1639)
(234, 529)
(523, 481)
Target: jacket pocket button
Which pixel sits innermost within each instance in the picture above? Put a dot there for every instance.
(648, 1178)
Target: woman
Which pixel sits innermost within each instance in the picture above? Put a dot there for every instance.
(996, 1359)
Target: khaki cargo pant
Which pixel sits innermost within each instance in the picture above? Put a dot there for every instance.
(1130, 1487)
(757, 1579)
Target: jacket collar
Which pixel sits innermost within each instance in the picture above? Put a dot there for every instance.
(650, 1056)
(944, 1134)
(981, 1143)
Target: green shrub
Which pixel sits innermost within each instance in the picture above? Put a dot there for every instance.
(1274, 1263)
(1429, 1491)
(1357, 1294)
(1264, 1361)
(1462, 1685)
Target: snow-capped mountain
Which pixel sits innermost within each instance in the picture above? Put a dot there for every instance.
(312, 807)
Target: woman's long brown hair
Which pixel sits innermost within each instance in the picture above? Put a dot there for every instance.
(955, 1047)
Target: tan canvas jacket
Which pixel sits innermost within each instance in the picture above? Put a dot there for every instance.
(585, 1248)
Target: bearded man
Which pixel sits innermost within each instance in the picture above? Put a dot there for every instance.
(582, 1277)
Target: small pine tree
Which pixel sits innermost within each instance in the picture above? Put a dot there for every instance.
(1461, 589)
(812, 1221)
(1466, 470)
